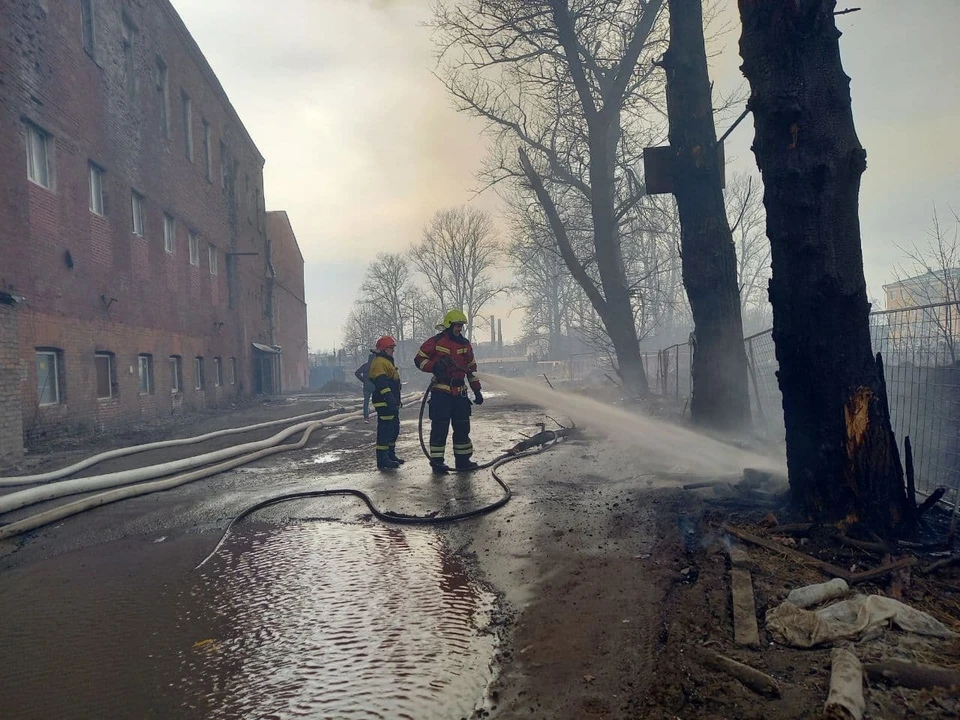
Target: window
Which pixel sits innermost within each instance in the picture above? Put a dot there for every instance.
(217, 372)
(198, 373)
(212, 255)
(163, 97)
(256, 208)
(130, 56)
(194, 249)
(86, 26)
(48, 377)
(223, 165)
(187, 126)
(38, 160)
(106, 375)
(176, 373)
(145, 366)
(207, 152)
(96, 189)
(136, 203)
(169, 234)
(233, 371)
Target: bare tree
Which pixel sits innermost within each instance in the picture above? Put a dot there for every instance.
(842, 457)
(747, 218)
(361, 330)
(933, 279)
(385, 288)
(566, 81)
(458, 255)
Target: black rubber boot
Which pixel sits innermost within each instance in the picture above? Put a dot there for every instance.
(439, 467)
(464, 463)
(384, 462)
(392, 455)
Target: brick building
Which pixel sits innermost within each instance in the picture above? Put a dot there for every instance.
(136, 273)
(291, 309)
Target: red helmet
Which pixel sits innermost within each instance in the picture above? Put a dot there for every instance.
(385, 342)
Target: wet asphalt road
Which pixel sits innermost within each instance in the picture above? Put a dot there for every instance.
(311, 609)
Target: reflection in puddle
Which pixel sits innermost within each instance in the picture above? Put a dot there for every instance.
(333, 620)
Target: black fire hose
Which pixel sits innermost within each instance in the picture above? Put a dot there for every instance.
(531, 446)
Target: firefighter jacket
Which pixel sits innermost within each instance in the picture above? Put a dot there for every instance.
(450, 358)
(385, 377)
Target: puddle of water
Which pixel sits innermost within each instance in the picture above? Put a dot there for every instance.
(336, 620)
(327, 457)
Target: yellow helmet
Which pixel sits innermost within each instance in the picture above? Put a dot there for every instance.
(454, 316)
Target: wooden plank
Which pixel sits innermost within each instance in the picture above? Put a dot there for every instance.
(745, 630)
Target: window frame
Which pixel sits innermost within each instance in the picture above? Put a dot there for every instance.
(169, 234)
(193, 244)
(136, 211)
(88, 28)
(111, 372)
(187, 125)
(55, 354)
(95, 175)
(207, 151)
(163, 95)
(198, 379)
(176, 374)
(233, 371)
(148, 376)
(212, 258)
(36, 138)
(218, 371)
(129, 32)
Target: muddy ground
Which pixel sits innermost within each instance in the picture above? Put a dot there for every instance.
(610, 580)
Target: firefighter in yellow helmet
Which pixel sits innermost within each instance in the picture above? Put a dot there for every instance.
(449, 357)
(385, 377)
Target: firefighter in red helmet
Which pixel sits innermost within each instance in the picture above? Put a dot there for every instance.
(449, 357)
(385, 377)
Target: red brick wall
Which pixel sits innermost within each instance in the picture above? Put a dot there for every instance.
(11, 423)
(89, 283)
(291, 310)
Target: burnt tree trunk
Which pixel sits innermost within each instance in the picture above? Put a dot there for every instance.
(721, 396)
(842, 457)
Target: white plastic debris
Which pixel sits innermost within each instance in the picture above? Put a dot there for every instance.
(810, 595)
(845, 701)
(849, 620)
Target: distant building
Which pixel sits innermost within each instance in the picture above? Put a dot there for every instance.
(137, 276)
(922, 322)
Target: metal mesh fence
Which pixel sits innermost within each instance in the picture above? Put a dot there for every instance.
(921, 353)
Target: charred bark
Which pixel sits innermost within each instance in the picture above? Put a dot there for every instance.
(709, 260)
(842, 458)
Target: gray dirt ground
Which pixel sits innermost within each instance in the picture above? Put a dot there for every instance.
(610, 579)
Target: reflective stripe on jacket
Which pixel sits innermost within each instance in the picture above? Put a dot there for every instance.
(459, 351)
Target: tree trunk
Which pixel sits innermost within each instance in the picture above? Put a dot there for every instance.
(842, 457)
(720, 392)
(617, 314)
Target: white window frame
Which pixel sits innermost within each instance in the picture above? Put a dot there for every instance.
(145, 372)
(223, 165)
(176, 373)
(233, 371)
(88, 28)
(194, 246)
(212, 258)
(169, 233)
(207, 151)
(111, 374)
(96, 188)
(51, 355)
(187, 125)
(39, 170)
(129, 35)
(136, 208)
(218, 372)
(198, 379)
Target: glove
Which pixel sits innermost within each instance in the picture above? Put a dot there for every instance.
(442, 367)
(477, 397)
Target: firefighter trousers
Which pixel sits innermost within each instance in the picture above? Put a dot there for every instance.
(447, 409)
(388, 429)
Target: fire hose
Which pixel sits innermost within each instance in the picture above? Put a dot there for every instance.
(531, 446)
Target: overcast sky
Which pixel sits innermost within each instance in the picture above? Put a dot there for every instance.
(363, 146)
